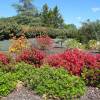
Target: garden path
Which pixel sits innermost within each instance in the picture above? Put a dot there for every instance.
(22, 94)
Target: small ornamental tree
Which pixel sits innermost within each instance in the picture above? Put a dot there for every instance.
(18, 44)
(44, 42)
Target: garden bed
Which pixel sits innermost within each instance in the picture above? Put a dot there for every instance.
(24, 94)
(55, 73)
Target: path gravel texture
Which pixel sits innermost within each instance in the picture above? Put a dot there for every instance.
(22, 94)
(91, 94)
(25, 94)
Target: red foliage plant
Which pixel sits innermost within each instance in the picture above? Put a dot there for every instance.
(98, 57)
(32, 56)
(44, 41)
(73, 60)
(3, 58)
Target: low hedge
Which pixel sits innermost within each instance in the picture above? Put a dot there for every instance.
(91, 77)
(55, 83)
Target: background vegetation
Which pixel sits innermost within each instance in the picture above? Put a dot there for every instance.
(47, 21)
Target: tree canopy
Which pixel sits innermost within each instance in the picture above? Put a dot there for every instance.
(25, 7)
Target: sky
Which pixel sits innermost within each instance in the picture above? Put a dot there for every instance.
(73, 11)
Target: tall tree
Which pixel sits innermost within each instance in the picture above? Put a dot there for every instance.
(44, 14)
(51, 17)
(57, 18)
(89, 30)
(25, 7)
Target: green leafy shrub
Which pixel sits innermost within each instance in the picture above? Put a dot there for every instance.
(56, 83)
(98, 46)
(72, 43)
(92, 44)
(24, 71)
(91, 77)
(8, 67)
(8, 27)
(2, 72)
(7, 83)
(8, 80)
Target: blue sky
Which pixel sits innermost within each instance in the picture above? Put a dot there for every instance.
(73, 11)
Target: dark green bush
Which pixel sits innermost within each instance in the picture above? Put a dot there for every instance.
(7, 28)
(91, 77)
(27, 20)
(56, 83)
(13, 25)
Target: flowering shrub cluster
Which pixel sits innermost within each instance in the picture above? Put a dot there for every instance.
(74, 60)
(73, 43)
(91, 77)
(32, 56)
(98, 57)
(18, 44)
(44, 41)
(3, 58)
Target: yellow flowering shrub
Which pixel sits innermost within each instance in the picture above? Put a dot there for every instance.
(18, 44)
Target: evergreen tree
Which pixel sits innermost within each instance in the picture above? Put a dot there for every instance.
(25, 7)
(57, 18)
(51, 17)
(44, 14)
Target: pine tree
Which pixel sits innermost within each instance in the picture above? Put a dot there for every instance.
(25, 7)
(44, 14)
(51, 17)
(57, 18)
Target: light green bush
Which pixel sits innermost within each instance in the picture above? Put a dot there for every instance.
(94, 44)
(56, 83)
(8, 80)
(72, 43)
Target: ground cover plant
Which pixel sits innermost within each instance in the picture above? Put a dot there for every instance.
(9, 79)
(43, 80)
(57, 83)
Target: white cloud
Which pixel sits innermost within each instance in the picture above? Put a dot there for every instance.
(79, 18)
(96, 9)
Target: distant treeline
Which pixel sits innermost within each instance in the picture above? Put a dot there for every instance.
(49, 21)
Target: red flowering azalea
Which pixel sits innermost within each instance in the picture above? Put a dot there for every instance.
(44, 41)
(98, 57)
(32, 56)
(53, 60)
(74, 60)
(3, 58)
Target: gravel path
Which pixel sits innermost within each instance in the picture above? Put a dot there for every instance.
(24, 94)
(91, 94)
